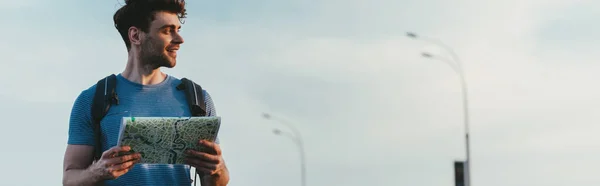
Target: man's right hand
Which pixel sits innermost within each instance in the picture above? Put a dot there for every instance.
(111, 165)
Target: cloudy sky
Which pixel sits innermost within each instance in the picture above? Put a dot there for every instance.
(371, 110)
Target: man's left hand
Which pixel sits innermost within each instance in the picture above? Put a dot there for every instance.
(209, 162)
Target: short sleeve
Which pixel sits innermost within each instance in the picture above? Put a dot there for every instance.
(80, 122)
(210, 108)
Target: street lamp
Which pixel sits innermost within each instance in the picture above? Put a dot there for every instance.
(456, 65)
(297, 139)
(438, 43)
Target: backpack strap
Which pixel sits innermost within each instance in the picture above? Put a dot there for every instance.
(194, 95)
(195, 98)
(103, 98)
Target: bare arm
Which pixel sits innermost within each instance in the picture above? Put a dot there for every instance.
(75, 166)
(80, 170)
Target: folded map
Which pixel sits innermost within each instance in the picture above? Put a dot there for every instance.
(163, 140)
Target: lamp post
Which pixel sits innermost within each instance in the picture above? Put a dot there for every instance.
(456, 65)
(297, 139)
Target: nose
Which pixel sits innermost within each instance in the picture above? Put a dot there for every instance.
(177, 38)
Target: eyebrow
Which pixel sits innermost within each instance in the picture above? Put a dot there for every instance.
(169, 26)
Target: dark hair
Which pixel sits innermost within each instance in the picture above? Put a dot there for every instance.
(140, 13)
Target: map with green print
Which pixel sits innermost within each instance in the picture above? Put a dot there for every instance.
(163, 140)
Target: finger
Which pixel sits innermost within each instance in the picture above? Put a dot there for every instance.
(212, 146)
(112, 151)
(205, 170)
(198, 163)
(203, 156)
(123, 159)
(123, 166)
(119, 173)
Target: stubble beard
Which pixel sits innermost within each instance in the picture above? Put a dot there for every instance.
(152, 56)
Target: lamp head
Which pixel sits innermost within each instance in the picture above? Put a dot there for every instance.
(266, 116)
(426, 55)
(411, 35)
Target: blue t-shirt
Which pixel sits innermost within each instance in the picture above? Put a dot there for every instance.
(159, 100)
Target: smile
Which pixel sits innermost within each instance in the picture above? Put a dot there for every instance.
(172, 51)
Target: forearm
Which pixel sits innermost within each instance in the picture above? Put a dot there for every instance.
(77, 177)
(219, 179)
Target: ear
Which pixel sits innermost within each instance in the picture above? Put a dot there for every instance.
(135, 35)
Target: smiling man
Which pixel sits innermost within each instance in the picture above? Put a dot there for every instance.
(150, 30)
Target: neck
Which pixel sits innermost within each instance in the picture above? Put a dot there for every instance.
(136, 72)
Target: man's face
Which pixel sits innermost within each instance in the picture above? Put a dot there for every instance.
(159, 46)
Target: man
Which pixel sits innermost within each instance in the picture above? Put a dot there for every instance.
(150, 29)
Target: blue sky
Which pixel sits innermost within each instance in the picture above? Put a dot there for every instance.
(372, 111)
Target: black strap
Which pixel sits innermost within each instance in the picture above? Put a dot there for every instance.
(195, 99)
(103, 98)
(194, 95)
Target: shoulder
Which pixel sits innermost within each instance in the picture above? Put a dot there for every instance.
(89, 92)
(86, 96)
(176, 81)
(81, 116)
(210, 106)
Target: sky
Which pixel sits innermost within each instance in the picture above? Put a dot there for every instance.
(371, 110)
